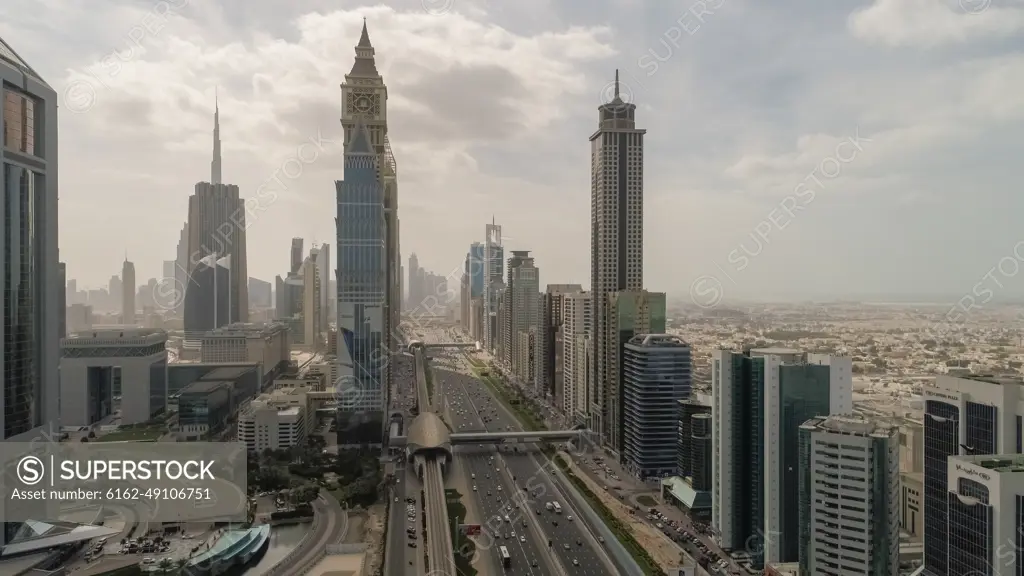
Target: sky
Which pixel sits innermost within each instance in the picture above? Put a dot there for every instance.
(794, 148)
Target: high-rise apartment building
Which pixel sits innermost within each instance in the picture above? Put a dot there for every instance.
(362, 260)
(494, 284)
(656, 375)
(62, 275)
(964, 415)
(576, 308)
(849, 478)
(128, 293)
(629, 313)
(616, 241)
(760, 399)
(296, 255)
(216, 229)
(550, 345)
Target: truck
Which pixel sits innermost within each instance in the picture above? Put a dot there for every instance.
(557, 507)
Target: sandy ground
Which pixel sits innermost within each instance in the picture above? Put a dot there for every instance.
(664, 551)
(356, 531)
(372, 528)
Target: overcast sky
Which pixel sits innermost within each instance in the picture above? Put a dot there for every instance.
(871, 144)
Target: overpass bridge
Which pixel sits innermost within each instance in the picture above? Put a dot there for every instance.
(503, 437)
(420, 344)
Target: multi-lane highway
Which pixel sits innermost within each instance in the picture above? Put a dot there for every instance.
(473, 408)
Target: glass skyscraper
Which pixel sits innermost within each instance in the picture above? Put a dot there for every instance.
(362, 352)
(31, 273)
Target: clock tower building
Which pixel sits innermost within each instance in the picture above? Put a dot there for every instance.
(364, 98)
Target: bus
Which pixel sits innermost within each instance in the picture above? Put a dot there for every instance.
(506, 560)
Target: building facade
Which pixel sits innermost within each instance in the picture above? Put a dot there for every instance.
(976, 414)
(88, 365)
(760, 398)
(630, 312)
(311, 312)
(549, 353)
(128, 285)
(849, 478)
(361, 294)
(689, 438)
(616, 242)
(575, 315)
(494, 259)
(267, 344)
(31, 343)
(656, 375)
(260, 294)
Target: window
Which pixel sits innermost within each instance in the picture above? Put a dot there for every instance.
(19, 122)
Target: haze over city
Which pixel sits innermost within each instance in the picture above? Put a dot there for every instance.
(491, 105)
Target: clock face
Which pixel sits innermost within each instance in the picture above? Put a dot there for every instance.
(363, 104)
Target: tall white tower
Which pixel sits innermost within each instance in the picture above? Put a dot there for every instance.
(617, 233)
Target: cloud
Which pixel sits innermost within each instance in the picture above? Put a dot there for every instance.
(933, 23)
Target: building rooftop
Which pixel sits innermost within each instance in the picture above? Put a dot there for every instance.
(205, 386)
(91, 337)
(1001, 463)
(228, 372)
(775, 351)
(246, 329)
(657, 340)
(853, 426)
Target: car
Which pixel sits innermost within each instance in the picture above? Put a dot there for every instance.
(474, 488)
(600, 539)
(569, 518)
(566, 546)
(522, 539)
(412, 544)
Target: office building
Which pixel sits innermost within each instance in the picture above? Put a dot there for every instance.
(759, 400)
(494, 284)
(616, 243)
(690, 443)
(216, 228)
(986, 514)
(260, 294)
(128, 293)
(87, 365)
(656, 375)
(970, 414)
(62, 275)
(267, 344)
(279, 420)
(524, 363)
(204, 408)
(476, 319)
(849, 478)
(575, 316)
(311, 313)
(364, 109)
(79, 318)
(477, 269)
(31, 351)
(361, 293)
(630, 312)
(522, 310)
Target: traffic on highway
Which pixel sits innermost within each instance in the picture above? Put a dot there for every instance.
(539, 514)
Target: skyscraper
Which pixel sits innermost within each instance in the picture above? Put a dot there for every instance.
(181, 268)
(476, 269)
(361, 294)
(216, 230)
(128, 293)
(364, 101)
(323, 270)
(656, 376)
(311, 313)
(575, 322)
(296, 262)
(62, 279)
(965, 415)
(260, 293)
(616, 240)
(849, 509)
(494, 284)
(549, 342)
(415, 293)
(760, 399)
(524, 289)
(510, 327)
(29, 316)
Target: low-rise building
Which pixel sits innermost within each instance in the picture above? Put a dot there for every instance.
(204, 409)
(277, 421)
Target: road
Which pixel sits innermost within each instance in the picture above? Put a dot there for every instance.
(473, 408)
(401, 557)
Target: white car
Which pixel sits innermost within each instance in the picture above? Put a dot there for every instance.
(569, 518)
(474, 488)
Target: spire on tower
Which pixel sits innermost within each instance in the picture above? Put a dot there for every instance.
(364, 38)
(364, 65)
(616, 83)
(215, 171)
